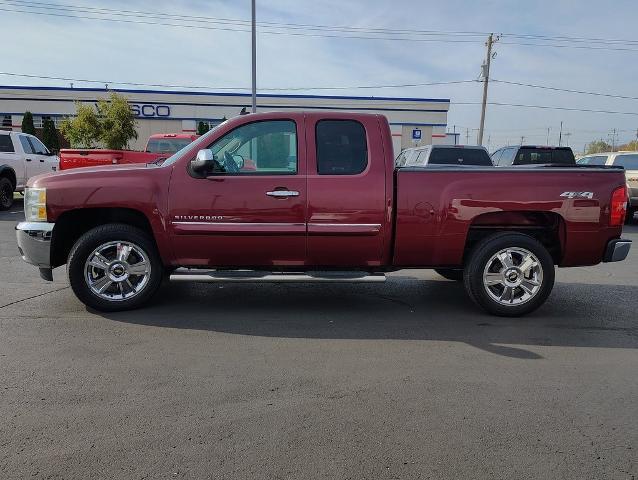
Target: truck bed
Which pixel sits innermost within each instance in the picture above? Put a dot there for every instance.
(439, 208)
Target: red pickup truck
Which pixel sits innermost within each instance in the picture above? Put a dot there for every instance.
(283, 197)
(159, 145)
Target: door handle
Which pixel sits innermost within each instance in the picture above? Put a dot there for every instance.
(41, 161)
(282, 193)
(28, 159)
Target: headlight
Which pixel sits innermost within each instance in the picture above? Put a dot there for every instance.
(35, 204)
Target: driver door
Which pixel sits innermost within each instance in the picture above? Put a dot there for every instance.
(250, 209)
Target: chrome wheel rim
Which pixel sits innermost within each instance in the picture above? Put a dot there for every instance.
(117, 271)
(513, 276)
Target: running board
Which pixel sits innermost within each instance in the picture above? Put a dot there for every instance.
(247, 276)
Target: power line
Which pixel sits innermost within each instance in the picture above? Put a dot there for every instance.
(187, 21)
(547, 107)
(200, 18)
(208, 87)
(584, 92)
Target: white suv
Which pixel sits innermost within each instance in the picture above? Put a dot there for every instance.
(628, 160)
(21, 157)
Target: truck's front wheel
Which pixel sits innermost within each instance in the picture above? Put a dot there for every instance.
(509, 274)
(114, 267)
(6, 193)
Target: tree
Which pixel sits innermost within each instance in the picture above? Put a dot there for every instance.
(50, 135)
(117, 122)
(597, 146)
(633, 145)
(83, 130)
(202, 128)
(111, 123)
(27, 123)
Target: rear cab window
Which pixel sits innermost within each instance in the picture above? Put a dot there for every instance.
(544, 156)
(166, 145)
(460, 156)
(593, 160)
(342, 147)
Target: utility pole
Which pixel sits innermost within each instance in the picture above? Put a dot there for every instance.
(567, 134)
(560, 135)
(486, 78)
(522, 139)
(467, 136)
(548, 130)
(613, 140)
(254, 40)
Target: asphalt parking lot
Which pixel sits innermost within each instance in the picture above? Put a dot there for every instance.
(406, 379)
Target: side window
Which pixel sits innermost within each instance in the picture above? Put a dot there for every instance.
(6, 145)
(26, 145)
(265, 147)
(507, 158)
(630, 162)
(496, 156)
(342, 147)
(38, 146)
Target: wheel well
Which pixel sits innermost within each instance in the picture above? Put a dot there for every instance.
(546, 227)
(71, 225)
(10, 174)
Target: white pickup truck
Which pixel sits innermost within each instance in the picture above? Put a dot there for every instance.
(22, 156)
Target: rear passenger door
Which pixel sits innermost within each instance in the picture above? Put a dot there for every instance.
(346, 192)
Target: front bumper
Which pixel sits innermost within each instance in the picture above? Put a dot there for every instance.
(34, 244)
(617, 250)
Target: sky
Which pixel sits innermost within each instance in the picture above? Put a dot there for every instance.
(218, 55)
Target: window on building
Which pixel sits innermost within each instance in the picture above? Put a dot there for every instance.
(6, 145)
(6, 121)
(341, 147)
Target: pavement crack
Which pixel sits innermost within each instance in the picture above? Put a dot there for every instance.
(33, 296)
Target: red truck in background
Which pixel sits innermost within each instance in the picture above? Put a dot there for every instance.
(159, 145)
(284, 197)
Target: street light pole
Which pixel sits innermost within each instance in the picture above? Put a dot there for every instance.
(254, 40)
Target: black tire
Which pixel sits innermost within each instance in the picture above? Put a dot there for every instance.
(629, 218)
(454, 274)
(6, 193)
(102, 235)
(481, 256)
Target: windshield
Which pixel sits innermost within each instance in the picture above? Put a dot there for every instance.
(203, 140)
(167, 145)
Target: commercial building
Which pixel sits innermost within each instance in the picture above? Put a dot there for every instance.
(413, 121)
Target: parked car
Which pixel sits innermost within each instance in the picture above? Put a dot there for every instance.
(533, 155)
(320, 201)
(22, 156)
(627, 160)
(161, 145)
(462, 155)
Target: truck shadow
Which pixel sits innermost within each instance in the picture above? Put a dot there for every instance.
(405, 308)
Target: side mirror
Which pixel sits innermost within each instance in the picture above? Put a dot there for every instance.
(239, 160)
(204, 161)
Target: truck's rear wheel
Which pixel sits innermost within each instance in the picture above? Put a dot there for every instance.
(509, 274)
(6, 193)
(114, 267)
(455, 274)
